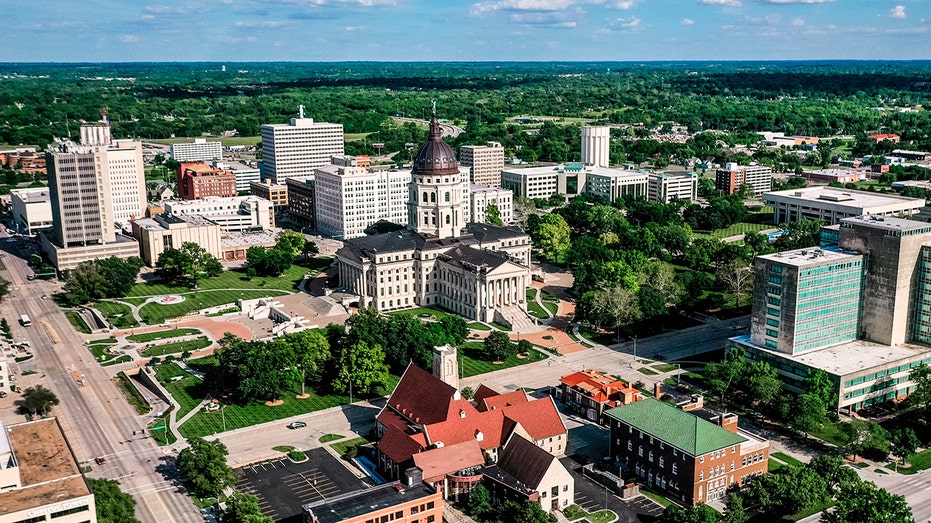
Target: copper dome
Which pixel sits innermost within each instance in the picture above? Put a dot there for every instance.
(435, 157)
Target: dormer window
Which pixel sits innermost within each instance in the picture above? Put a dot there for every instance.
(479, 436)
(462, 414)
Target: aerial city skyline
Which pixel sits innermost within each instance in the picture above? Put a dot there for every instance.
(490, 30)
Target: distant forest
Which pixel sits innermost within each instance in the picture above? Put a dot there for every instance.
(41, 101)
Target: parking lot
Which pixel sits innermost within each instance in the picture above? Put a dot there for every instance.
(593, 497)
(282, 486)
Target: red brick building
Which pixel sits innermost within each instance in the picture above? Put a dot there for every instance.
(197, 180)
(691, 459)
(589, 393)
(416, 502)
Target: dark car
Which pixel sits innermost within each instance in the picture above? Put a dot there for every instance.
(296, 425)
(100, 461)
(659, 357)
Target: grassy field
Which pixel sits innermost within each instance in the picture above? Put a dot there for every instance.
(343, 446)
(665, 367)
(188, 391)
(735, 230)
(117, 314)
(575, 512)
(160, 335)
(326, 438)
(116, 361)
(473, 364)
(918, 462)
(99, 350)
(178, 347)
(77, 321)
(775, 465)
(536, 311)
(132, 395)
(424, 313)
(154, 313)
(228, 141)
(478, 326)
(829, 432)
(531, 294)
(787, 459)
(551, 306)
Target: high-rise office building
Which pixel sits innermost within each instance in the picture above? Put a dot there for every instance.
(126, 171)
(199, 151)
(485, 162)
(596, 145)
(299, 147)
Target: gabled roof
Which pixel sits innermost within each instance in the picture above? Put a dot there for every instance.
(501, 401)
(473, 259)
(448, 459)
(539, 418)
(489, 426)
(598, 386)
(484, 232)
(400, 446)
(525, 461)
(678, 428)
(483, 391)
(421, 397)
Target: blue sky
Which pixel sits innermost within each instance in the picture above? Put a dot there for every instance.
(427, 30)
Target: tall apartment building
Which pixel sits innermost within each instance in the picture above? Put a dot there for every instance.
(481, 196)
(40, 477)
(299, 147)
(198, 180)
(91, 188)
(860, 311)
(302, 204)
(596, 145)
(199, 151)
(732, 177)
(485, 162)
(666, 187)
(350, 198)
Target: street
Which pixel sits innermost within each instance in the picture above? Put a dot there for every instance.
(97, 420)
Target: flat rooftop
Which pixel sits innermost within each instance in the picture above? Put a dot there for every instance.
(355, 504)
(850, 357)
(573, 169)
(809, 256)
(33, 195)
(248, 239)
(48, 470)
(848, 197)
(886, 223)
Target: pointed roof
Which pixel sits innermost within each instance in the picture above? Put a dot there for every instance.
(452, 458)
(483, 391)
(539, 418)
(501, 401)
(435, 157)
(682, 430)
(525, 461)
(400, 446)
(421, 397)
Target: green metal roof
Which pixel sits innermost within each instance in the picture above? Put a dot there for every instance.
(676, 427)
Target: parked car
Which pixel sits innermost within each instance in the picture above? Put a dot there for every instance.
(100, 461)
(296, 425)
(659, 356)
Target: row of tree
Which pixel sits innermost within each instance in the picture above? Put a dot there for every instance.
(103, 278)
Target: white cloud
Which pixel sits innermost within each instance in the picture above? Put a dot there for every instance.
(796, 1)
(622, 5)
(267, 23)
(688, 21)
(520, 5)
(627, 23)
(798, 22)
(548, 19)
(351, 28)
(897, 11)
(732, 3)
(128, 39)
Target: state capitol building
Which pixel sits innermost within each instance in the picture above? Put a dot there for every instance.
(476, 270)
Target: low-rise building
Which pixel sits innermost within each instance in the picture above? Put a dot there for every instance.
(157, 191)
(40, 478)
(167, 231)
(5, 375)
(302, 201)
(572, 179)
(198, 180)
(693, 460)
(277, 193)
(67, 258)
(669, 186)
(836, 175)
(883, 137)
(388, 502)
(234, 245)
(245, 174)
(238, 213)
(915, 156)
(732, 177)
(481, 196)
(833, 204)
(32, 210)
(590, 393)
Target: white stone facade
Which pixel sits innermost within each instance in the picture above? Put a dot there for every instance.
(299, 147)
(198, 151)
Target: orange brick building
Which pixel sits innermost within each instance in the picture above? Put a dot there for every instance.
(197, 180)
(391, 502)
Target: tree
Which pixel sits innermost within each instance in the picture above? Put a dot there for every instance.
(921, 396)
(290, 241)
(479, 501)
(799, 235)
(262, 370)
(904, 443)
(455, 328)
(37, 400)
(493, 215)
(552, 236)
(244, 508)
(173, 265)
(819, 383)
(734, 510)
(361, 368)
(833, 470)
(4, 288)
(864, 502)
(615, 308)
(722, 375)
(113, 505)
(311, 351)
(809, 413)
(761, 382)
(737, 277)
(698, 514)
(861, 436)
(310, 249)
(498, 346)
(525, 511)
(190, 262)
(104, 278)
(203, 463)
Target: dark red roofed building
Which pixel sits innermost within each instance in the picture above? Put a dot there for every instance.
(884, 137)
(590, 393)
(197, 180)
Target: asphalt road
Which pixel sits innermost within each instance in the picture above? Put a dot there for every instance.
(97, 420)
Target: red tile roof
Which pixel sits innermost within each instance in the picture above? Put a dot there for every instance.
(421, 397)
(437, 463)
(596, 385)
(400, 446)
(483, 391)
(539, 418)
(503, 400)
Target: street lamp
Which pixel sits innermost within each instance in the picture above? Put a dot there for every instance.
(679, 373)
(635, 347)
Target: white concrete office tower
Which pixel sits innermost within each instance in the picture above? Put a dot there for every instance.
(666, 187)
(126, 172)
(299, 147)
(95, 134)
(596, 145)
(350, 198)
(438, 206)
(79, 190)
(199, 151)
(485, 162)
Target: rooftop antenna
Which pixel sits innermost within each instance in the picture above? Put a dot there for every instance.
(68, 126)
(103, 116)
(301, 111)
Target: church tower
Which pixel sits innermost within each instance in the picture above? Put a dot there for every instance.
(436, 205)
(446, 365)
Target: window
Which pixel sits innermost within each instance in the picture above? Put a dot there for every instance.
(675, 468)
(447, 196)
(630, 445)
(701, 475)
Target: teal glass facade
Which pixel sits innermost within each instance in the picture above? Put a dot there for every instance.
(922, 332)
(827, 305)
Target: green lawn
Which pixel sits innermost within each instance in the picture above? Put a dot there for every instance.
(829, 432)
(531, 294)
(536, 311)
(116, 361)
(648, 371)
(548, 297)
(177, 347)
(551, 306)
(470, 356)
(424, 313)
(99, 350)
(236, 279)
(117, 314)
(160, 335)
(656, 497)
(919, 462)
(735, 230)
(343, 446)
(775, 465)
(326, 438)
(787, 459)
(154, 313)
(478, 326)
(78, 322)
(665, 367)
(188, 391)
(575, 512)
